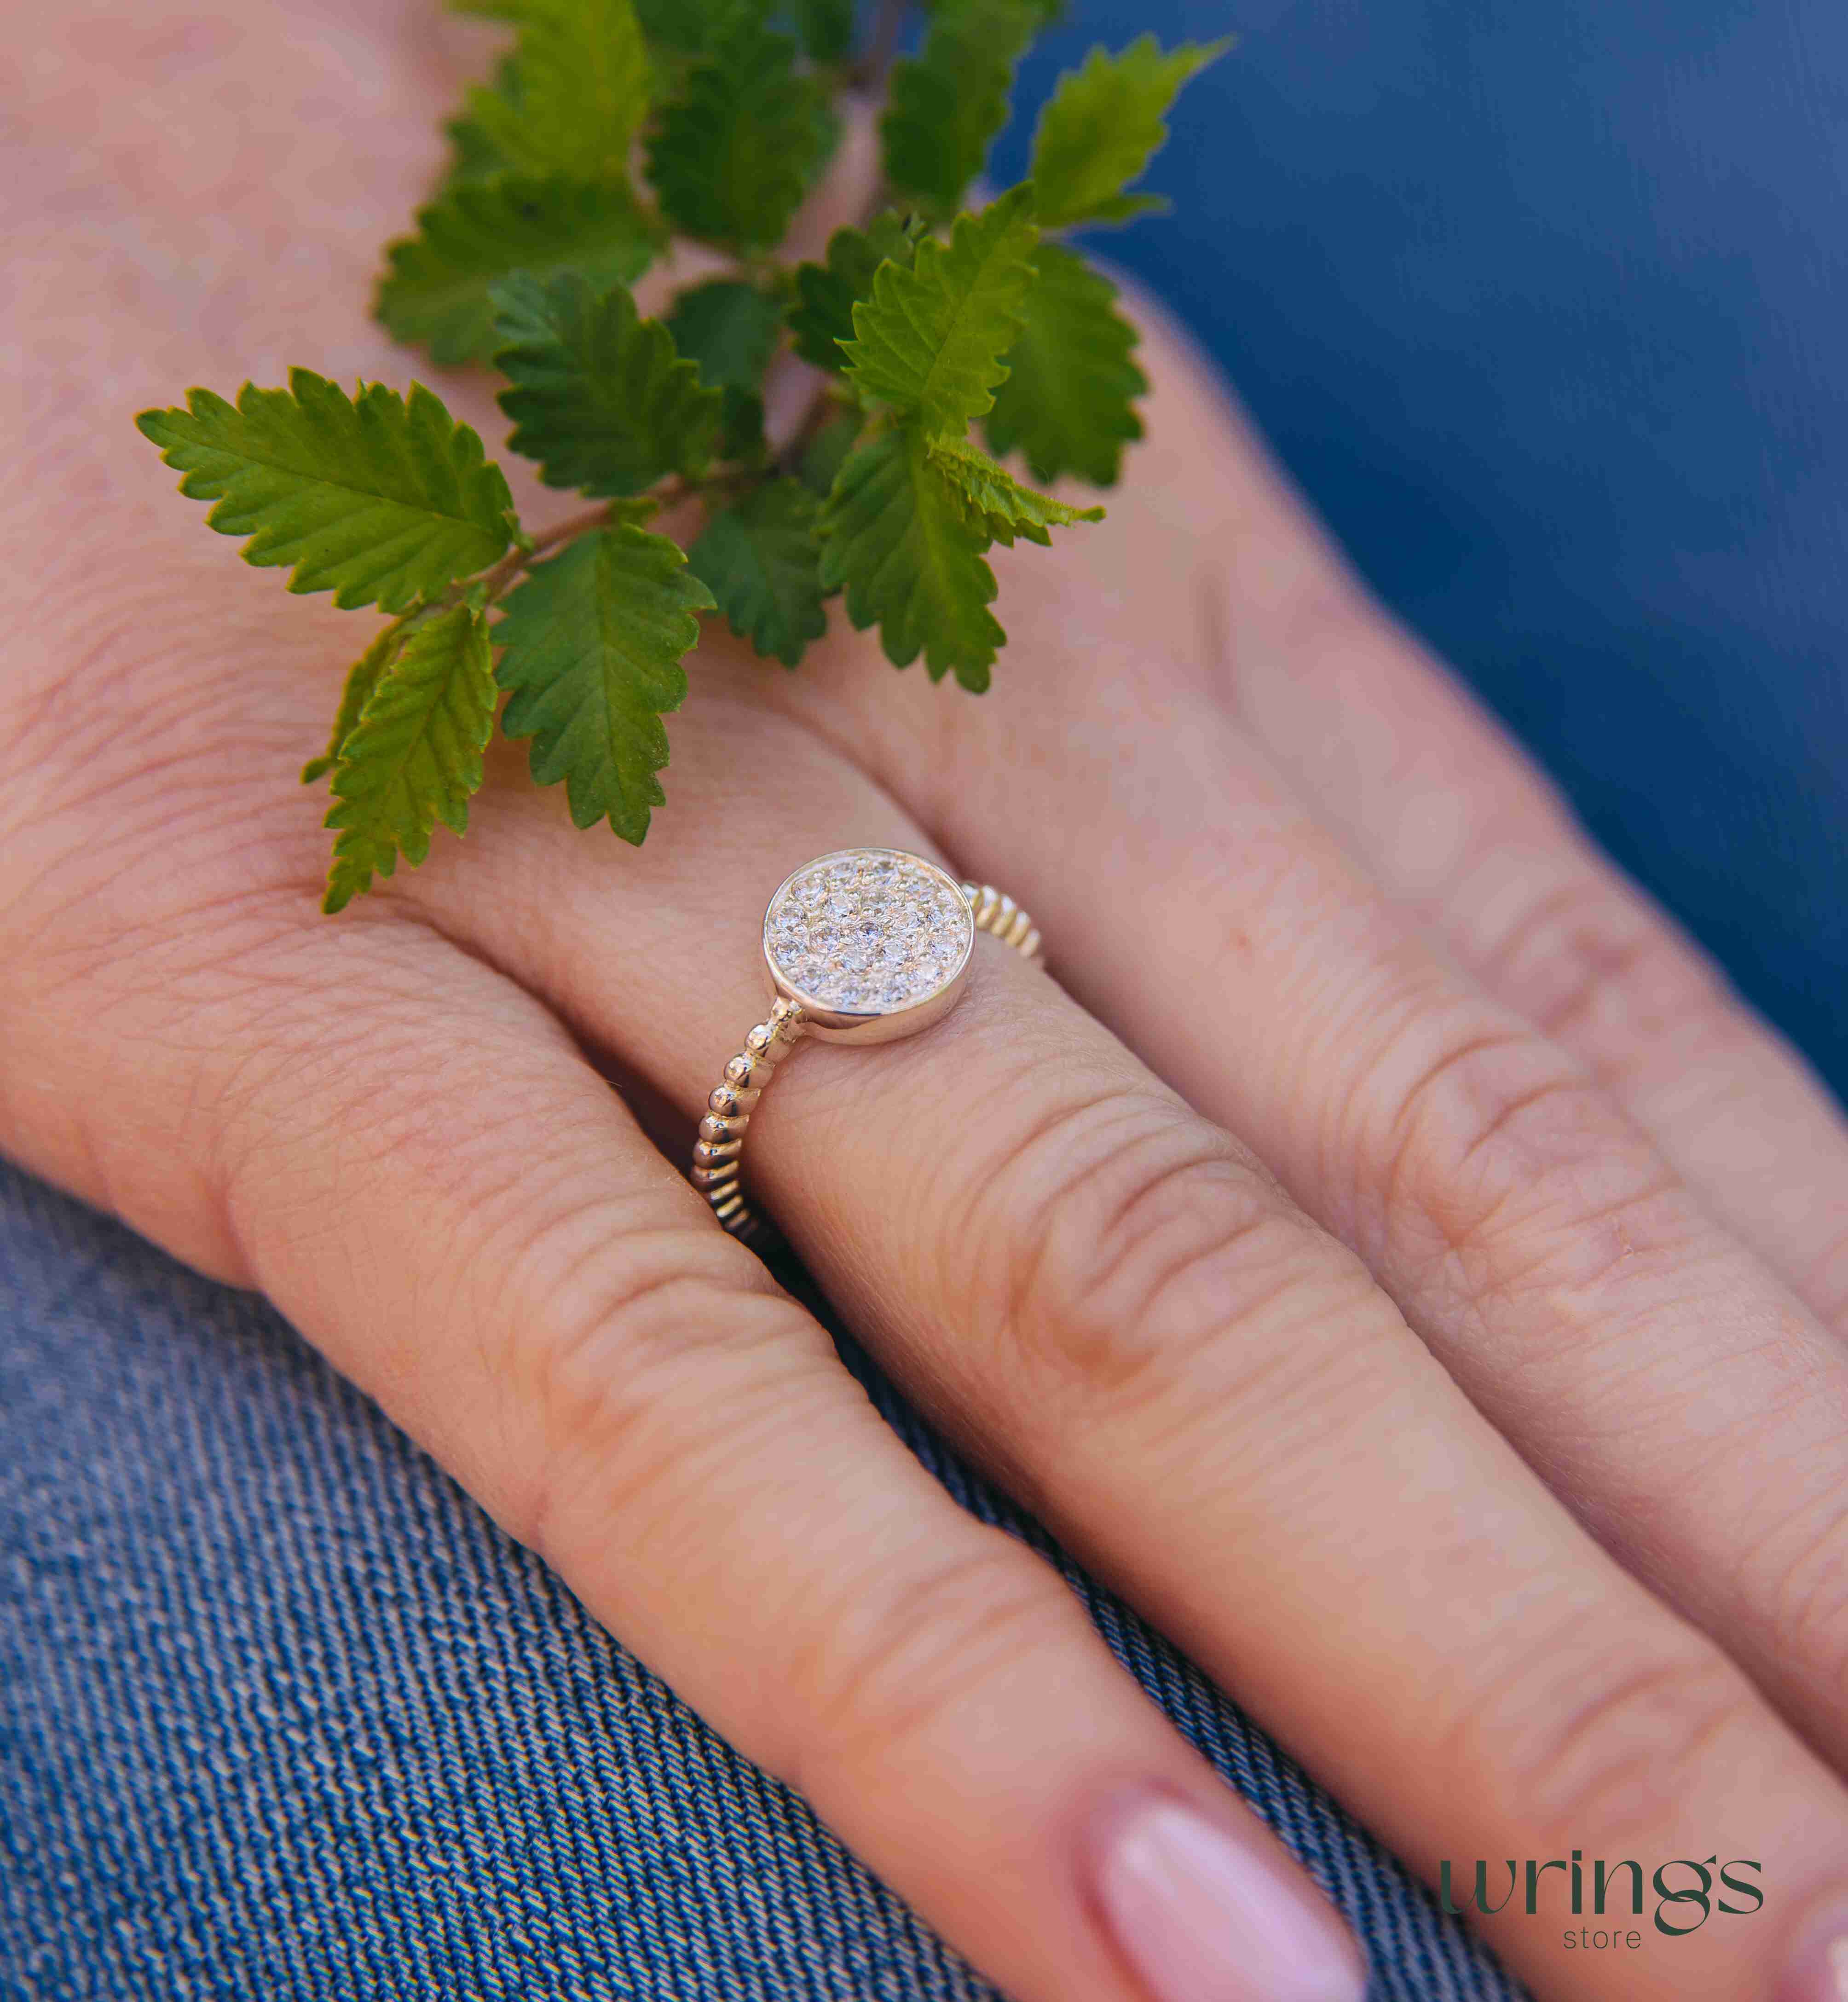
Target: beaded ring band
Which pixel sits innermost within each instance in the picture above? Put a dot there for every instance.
(862, 946)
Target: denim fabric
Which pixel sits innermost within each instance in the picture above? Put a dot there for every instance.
(282, 1715)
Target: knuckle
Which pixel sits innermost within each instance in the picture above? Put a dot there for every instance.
(1505, 1158)
(1569, 949)
(919, 1659)
(1128, 1247)
(1457, 1094)
(1594, 969)
(1600, 1739)
(640, 1306)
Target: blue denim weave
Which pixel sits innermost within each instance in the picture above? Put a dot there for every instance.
(284, 1715)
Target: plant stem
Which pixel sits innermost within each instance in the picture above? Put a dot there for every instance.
(587, 519)
(517, 559)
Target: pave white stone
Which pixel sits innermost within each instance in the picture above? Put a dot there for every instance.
(869, 932)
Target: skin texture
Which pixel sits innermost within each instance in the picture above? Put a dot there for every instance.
(1387, 1253)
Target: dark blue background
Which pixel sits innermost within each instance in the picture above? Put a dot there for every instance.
(1546, 308)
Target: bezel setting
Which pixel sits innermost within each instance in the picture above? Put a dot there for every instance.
(870, 944)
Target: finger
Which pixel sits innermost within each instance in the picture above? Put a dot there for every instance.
(1202, 1393)
(1659, 1377)
(418, 1166)
(1456, 823)
(465, 1225)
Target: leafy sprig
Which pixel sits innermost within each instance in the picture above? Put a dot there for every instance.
(922, 323)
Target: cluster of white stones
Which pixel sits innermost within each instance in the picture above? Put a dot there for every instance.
(868, 932)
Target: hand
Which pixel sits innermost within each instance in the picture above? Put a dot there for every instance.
(1386, 1255)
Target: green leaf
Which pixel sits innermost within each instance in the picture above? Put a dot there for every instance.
(947, 102)
(592, 640)
(731, 330)
(827, 452)
(598, 395)
(584, 76)
(733, 156)
(1003, 506)
(641, 509)
(381, 501)
(1102, 125)
(1070, 399)
(822, 316)
(900, 538)
(414, 756)
(362, 678)
(682, 26)
(741, 427)
(762, 562)
(474, 155)
(435, 290)
(929, 341)
(827, 28)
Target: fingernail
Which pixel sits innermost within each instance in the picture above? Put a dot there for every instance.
(1818, 1969)
(1203, 1917)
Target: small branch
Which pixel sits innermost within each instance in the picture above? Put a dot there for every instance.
(569, 529)
(588, 519)
(511, 565)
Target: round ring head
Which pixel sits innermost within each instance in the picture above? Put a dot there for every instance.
(874, 943)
